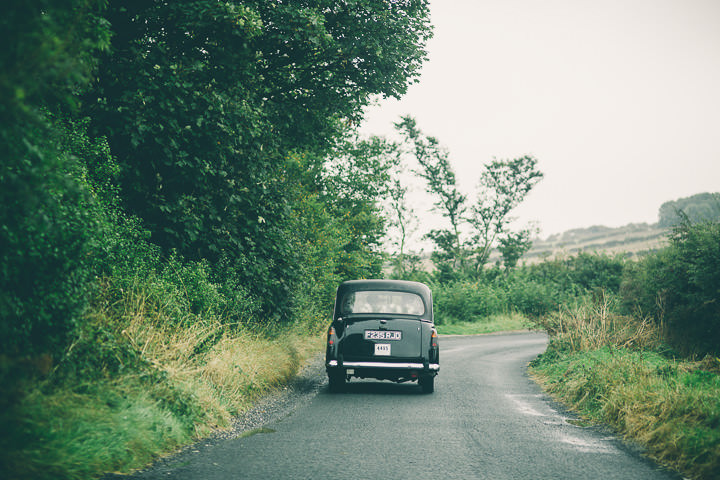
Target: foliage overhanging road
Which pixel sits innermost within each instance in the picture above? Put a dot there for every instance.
(487, 419)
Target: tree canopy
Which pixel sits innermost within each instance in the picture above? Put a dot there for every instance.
(138, 134)
(202, 103)
(697, 208)
(503, 185)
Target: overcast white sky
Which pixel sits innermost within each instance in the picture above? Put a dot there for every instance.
(619, 100)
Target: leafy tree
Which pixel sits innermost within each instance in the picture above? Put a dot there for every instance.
(504, 184)
(697, 208)
(400, 217)
(47, 226)
(404, 220)
(440, 180)
(357, 182)
(322, 60)
(513, 246)
(48, 52)
(203, 101)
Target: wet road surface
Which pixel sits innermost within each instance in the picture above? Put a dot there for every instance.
(486, 420)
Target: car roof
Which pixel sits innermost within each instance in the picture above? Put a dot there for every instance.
(391, 285)
(387, 285)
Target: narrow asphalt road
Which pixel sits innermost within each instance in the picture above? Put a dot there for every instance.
(486, 420)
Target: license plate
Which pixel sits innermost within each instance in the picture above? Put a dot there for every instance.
(383, 335)
(382, 349)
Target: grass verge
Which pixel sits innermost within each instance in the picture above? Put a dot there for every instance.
(489, 324)
(671, 408)
(614, 374)
(147, 388)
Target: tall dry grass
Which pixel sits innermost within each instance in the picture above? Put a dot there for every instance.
(224, 367)
(614, 370)
(149, 384)
(592, 324)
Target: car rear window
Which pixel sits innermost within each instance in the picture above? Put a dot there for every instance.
(380, 301)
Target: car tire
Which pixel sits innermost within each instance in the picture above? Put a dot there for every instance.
(337, 381)
(427, 383)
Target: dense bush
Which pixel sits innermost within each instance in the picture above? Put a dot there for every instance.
(467, 301)
(533, 290)
(533, 297)
(680, 287)
(47, 220)
(579, 273)
(47, 236)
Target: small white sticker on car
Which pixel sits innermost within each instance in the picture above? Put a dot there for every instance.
(382, 349)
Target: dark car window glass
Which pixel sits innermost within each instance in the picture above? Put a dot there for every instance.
(382, 302)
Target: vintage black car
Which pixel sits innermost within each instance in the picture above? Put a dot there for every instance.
(383, 329)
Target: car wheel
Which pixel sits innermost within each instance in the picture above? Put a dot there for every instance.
(337, 381)
(427, 383)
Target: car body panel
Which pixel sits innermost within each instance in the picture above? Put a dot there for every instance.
(383, 329)
(355, 345)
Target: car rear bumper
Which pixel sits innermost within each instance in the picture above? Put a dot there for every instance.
(389, 365)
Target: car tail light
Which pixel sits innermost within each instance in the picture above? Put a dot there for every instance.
(434, 339)
(331, 335)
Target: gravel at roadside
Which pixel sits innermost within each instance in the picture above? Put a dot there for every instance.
(282, 402)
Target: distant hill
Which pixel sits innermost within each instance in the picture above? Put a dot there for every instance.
(633, 240)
